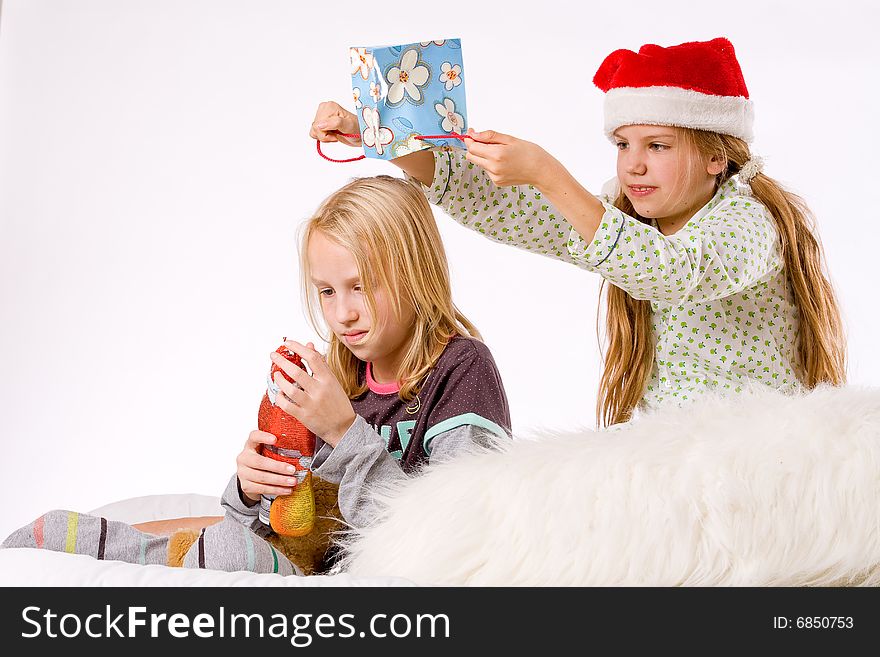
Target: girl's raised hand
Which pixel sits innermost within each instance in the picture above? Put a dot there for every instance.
(331, 119)
(318, 401)
(260, 475)
(508, 160)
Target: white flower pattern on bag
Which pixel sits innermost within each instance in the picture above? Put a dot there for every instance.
(375, 91)
(356, 94)
(409, 145)
(450, 75)
(375, 135)
(361, 62)
(406, 78)
(452, 120)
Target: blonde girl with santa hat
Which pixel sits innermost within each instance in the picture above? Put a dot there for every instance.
(717, 275)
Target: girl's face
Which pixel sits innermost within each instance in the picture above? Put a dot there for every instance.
(662, 175)
(381, 341)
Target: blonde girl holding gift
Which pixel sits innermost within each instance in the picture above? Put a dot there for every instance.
(405, 381)
(716, 272)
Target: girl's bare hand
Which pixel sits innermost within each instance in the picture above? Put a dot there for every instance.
(260, 475)
(318, 401)
(508, 160)
(332, 121)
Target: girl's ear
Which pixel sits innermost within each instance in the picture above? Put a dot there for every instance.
(716, 165)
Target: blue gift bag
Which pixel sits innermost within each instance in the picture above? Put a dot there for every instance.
(402, 92)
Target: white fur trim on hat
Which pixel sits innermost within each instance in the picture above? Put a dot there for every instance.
(729, 115)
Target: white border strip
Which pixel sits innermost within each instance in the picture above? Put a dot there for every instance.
(730, 115)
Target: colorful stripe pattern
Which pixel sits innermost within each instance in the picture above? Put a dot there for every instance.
(38, 531)
(102, 539)
(72, 524)
(202, 548)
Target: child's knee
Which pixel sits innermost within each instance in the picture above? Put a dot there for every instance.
(230, 546)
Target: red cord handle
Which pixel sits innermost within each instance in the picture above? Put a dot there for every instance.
(330, 159)
(451, 135)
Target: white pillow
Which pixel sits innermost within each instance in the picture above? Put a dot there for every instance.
(160, 507)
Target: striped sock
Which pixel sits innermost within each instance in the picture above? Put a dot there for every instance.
(228, 545)
(78, 533)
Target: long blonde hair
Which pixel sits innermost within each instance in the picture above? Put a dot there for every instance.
(821, 343)
(387, 225)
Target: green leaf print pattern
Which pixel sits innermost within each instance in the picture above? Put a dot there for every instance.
(722, 315)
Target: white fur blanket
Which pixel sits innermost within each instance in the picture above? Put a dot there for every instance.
(757, 490)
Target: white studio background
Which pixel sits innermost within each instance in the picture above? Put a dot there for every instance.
(155, 165)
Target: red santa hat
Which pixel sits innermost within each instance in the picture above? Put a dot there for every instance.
(691, 85)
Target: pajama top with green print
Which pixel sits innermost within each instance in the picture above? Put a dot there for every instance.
(722, 309)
